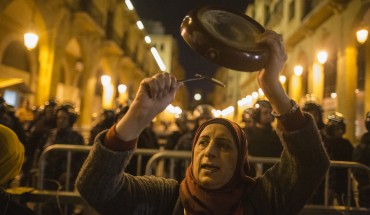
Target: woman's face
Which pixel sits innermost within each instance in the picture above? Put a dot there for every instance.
(215, 157)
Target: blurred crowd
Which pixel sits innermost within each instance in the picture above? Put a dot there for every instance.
(53, 123)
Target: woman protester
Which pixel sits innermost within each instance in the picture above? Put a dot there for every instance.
(11, 160)
(216, 180)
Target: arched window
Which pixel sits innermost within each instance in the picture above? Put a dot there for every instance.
(15, 55)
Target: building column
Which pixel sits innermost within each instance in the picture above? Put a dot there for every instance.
(46, 59)
(345, 88)
(91, 55)
(367, 79)
(295, 87)
(316, 82)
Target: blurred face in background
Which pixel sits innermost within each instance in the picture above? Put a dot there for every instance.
(62, 120)
(49, 112)
(265, 115)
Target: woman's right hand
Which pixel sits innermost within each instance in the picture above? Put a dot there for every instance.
(153, 96)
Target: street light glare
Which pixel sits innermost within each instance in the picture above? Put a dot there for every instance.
(298, 70)
(129, 5)
(140, 25)
(30, 40)
(197, 97)
(105, 80)
(147, 39)
(158, 58)
(122, 88)
(282, 79)
(322, 56)
(362, 35)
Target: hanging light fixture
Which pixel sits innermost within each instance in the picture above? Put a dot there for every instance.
(322, 56)
(31, 38)
(362, 35)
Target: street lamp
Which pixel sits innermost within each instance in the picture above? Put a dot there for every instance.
(107, 91)
(282, 79)
(122, 88)
(30, 40)
(197, 97)
(105, 80)
(298, 70)
(362, 35)
(322, 56)
(122, 95)
(147, 39)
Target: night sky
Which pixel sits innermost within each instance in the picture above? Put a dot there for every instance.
(171, 14)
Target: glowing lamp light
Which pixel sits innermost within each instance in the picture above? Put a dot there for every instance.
(197, 97)
(249, 100)
(147, 39)
(260, 92)
(322, 56)
(362, 35)
(227, 111)
(158, 58)
(298, 70)
(282, 79)
(105, 80)
(30, 40)
(122, 88)
(333, 95)
(217, 113)
(140, 25)
(129, 5)
(255, 95)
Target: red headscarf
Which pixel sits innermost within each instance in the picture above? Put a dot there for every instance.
(225, 200)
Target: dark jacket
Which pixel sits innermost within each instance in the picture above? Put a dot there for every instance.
(284, 189)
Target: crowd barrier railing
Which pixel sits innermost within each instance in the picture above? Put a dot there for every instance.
(159, 155)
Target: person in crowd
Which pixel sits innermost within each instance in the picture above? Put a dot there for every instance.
(46, 119)
(10, 120)
(108, 118)
(263, 140)
(216, 180)
(11, 160)
(361, 154)
(317, 113)
(55, 173)
(201, 114)
(25, 113)
(247, 120)
(182, 128)
(40, 126)
(340, 149)
(120, 112)
(147, 140)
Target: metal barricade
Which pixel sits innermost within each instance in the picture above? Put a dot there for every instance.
(69, 149)
(258, 162)
(163, 155)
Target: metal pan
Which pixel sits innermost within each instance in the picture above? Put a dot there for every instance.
(225, 38)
